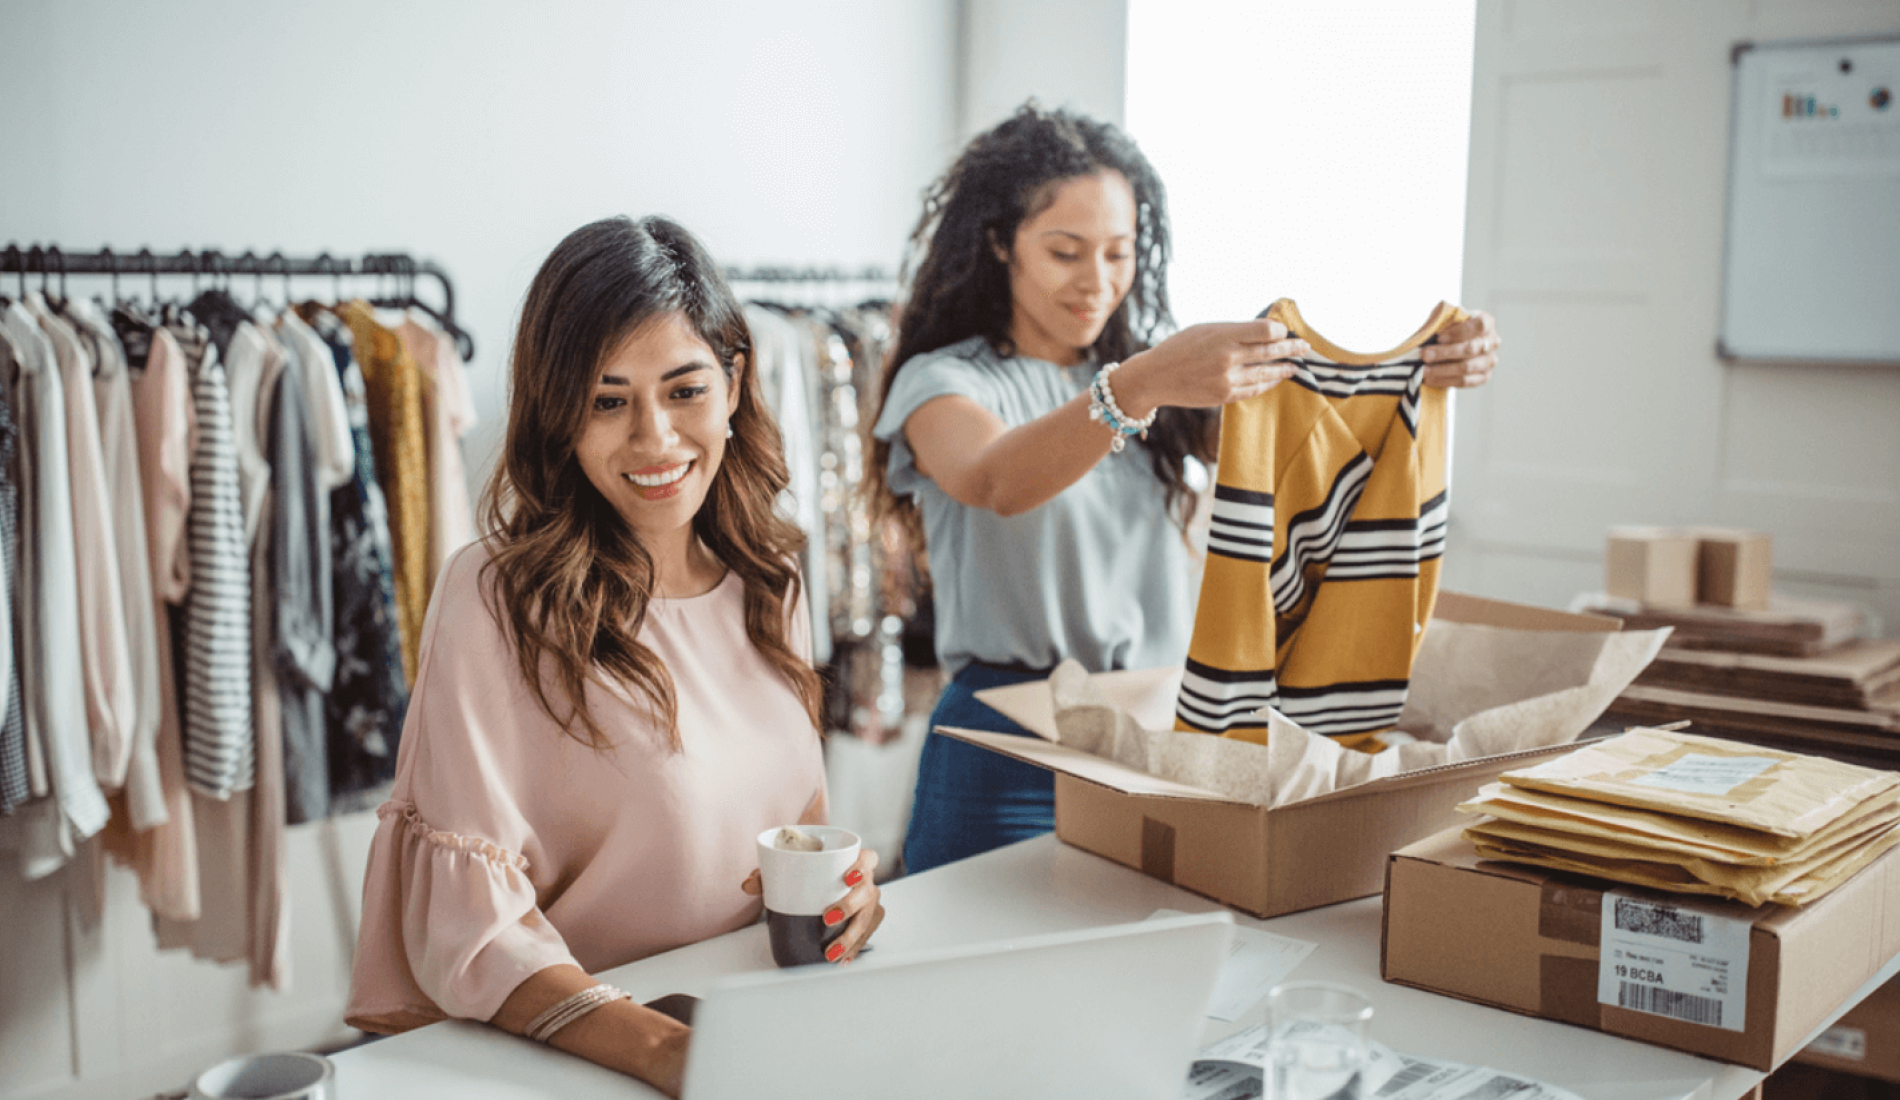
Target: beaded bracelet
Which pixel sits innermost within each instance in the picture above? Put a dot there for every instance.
(566, 1011)
(1102, 407)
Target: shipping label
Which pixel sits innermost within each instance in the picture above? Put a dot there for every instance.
(1700, 773)
(1849, 1043)
(1667, 959)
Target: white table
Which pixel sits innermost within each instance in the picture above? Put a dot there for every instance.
(1043, 885)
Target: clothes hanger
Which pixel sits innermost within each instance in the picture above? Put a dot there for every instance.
(283, 268)
(49, 257)
(112, 266)
(404, 269)
(17, 261)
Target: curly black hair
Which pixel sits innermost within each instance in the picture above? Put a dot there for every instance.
(959, 288)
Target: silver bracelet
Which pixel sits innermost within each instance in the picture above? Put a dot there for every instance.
(567, 1010)
(1103, 407)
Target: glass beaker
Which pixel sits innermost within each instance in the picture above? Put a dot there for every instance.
(1316, 1049)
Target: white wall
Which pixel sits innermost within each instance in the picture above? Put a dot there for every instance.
(1599, 153)
(475, 132)
(1332, 173)
(1066, 53)
(471, 132)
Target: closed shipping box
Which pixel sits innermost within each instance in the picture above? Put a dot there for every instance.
(1739, 984)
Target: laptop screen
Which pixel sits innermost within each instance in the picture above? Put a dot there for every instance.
(1100, 1013)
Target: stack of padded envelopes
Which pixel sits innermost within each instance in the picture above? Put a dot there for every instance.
(1680, 812)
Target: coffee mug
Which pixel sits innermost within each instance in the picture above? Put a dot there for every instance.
(285, 1075)
(800, 886)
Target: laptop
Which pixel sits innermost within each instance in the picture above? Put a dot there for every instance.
(1101, 1013)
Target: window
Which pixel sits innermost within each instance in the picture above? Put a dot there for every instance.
(1314, 151)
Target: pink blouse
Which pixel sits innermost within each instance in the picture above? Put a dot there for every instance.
(507, 846)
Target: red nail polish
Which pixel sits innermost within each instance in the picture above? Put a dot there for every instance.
(832, 952)
(833, 916)
(854, 878)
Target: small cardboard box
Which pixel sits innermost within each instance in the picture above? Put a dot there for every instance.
(1266, 862)
(1652, 565)
(1531, 941)
(1734, 568)
(1866, 1041)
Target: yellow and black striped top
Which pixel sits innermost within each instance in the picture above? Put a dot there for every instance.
(1323, 555)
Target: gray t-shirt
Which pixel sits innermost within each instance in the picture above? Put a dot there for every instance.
(1101, 573)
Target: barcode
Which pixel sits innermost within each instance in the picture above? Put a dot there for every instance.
(1497, 1088)
(1658, 920)
(1667, 1002)
(1405, 1078)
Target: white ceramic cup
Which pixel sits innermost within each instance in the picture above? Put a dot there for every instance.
(800, 886)
(283, 1075)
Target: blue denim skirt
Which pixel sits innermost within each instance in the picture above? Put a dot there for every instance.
(970, 800)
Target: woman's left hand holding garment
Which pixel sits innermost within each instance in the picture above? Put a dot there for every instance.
(1465, 354)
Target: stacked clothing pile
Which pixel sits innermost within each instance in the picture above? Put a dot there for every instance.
(1691, 814)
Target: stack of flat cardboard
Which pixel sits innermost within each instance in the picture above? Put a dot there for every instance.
(1786, 627)
(1679, 812)
(1846, 702)
(1741, 660)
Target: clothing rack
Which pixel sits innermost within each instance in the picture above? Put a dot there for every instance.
(50, 261)
(833, 287)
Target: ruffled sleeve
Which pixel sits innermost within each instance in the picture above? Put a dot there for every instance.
(451, 923)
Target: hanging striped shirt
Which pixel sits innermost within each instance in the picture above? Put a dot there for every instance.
(1327, 529)
(14, 786)
(220, 748)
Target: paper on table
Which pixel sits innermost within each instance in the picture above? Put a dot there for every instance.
(1235, 1069)
(1257, 960)
(1461, 707)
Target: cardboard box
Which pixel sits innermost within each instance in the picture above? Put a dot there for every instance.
(1866, 1041)
(1652, 565)
(1734, 568)
(1303, 855)
(1531, 941)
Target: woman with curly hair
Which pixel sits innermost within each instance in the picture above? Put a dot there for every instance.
(1033, 344)
(615, 694)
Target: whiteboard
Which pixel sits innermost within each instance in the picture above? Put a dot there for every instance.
(1812, 259)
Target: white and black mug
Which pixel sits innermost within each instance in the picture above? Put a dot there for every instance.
(800, 886)
(282, 1075)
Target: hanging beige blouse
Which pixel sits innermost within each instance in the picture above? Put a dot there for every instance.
(165, 857)
(449, 413)
(118, 444)
(105, 651)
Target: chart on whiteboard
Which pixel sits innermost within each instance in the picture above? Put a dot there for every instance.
(1834, 115)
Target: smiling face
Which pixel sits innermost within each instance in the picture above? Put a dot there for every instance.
(655, 432)
(1070, 266)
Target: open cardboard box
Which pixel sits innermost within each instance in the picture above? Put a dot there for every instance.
(1263, 861)
(1530, 940)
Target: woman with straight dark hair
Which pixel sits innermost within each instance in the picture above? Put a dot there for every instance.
(1033, 343)
(615, 694)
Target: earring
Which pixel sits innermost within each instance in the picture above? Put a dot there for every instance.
(728, 429)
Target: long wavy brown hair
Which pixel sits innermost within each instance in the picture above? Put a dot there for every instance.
(958, 288)
(569, 578)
